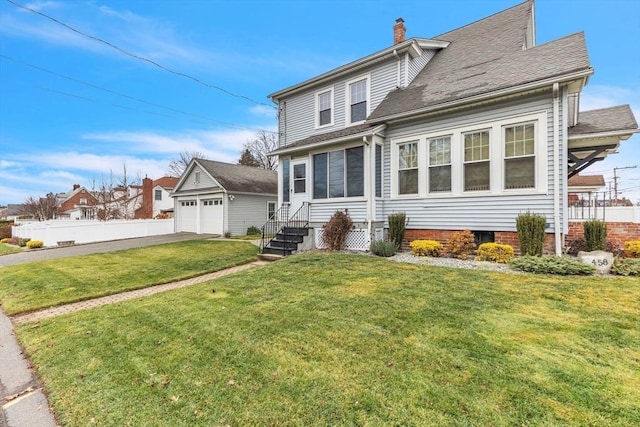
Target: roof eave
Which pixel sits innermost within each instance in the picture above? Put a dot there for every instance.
(617, 133)
(307, 147)
(387, 53)
(580, 75)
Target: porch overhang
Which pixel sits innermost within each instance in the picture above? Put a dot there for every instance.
(587, 149)
(329, 140)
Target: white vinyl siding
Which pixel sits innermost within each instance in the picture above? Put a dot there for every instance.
(491, 211)
(246, 211)
(197, 179)
(297, 116)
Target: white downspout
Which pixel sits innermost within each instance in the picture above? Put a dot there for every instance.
(369, 147)
(556, 169)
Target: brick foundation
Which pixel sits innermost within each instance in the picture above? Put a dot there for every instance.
(616, 231)
(619, 232)
(503, 237)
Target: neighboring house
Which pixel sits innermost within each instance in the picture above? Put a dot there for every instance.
(219, 198)
(156, 197)
(462, 131)
(13, 211)
(79, 203)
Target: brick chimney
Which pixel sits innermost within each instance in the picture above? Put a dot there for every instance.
(146, 210)
(399, 31)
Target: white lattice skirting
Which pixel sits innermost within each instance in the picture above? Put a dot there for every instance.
(357, 239)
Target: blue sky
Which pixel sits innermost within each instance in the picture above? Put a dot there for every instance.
(73, 109)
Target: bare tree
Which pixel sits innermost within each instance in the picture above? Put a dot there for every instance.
(178, 166)
(264, 143)
(247, 159)
(117, 199)
(42, 208)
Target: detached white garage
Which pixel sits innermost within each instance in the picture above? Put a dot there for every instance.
(216, 198)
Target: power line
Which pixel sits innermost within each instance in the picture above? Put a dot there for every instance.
(202, 119)
(138, 57)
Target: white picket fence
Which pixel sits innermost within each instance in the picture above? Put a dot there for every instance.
(56, 232)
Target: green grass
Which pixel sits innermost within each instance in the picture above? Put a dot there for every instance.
(33, 286)
(336, 339)
(6, 249)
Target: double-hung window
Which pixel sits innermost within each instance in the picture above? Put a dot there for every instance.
(338, 173)
(158, 194)
(440, 164)
(408, 168)
(324, 106)
(519, 156)
(357, 100)
(477, 169)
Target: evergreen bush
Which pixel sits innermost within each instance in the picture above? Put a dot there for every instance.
(632, 249)
(551, 264)
(495, 252)
(253, 231)
(426, 248)
(383, 248)
(461, 244)
(626, 267)
(531, 233)
(397, 224)
(595, 235)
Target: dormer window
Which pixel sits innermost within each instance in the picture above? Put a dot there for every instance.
(324, 108)
(358, 97)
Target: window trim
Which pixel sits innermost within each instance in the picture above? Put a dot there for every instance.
(157, 192)
(416, 168)
(536, 150)
(275, 209)
(317, 108)
(347, 99)
(429, 165)
(471, 162)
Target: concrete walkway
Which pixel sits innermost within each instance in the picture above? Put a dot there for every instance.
(23, 402)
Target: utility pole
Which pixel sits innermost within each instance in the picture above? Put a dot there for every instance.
(615, 181)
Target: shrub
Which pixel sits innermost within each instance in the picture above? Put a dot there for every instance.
(5, 229)
(23, 242)
(626, 267)
(632, 249)
(426, 248)
(531, 233)
(576, 245)
(595, 234)
(615, 248)
(384, 248)
(253, 230)
(227, 234)
(336, 230)
(461, 244)
(397, 224)
(34, 244)
(551, 264)
(5, 240)
(495, 252)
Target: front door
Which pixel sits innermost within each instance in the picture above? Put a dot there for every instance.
(298, 184)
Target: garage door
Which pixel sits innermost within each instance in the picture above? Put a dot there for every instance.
(211, 216)
(187, 216)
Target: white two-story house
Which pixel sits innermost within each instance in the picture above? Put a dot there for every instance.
(465, 130)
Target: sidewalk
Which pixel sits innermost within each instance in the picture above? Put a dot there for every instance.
(23, 402)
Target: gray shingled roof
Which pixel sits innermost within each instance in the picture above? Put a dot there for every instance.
(244, 179)
(483, 57)
(348, 131)
(611, 119)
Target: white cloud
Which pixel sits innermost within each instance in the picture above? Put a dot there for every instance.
(264, 111)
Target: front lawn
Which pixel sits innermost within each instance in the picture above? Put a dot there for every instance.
(6, 249)
(33, 286)
(336, 339)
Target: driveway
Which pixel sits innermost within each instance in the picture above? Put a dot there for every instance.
(100, 247)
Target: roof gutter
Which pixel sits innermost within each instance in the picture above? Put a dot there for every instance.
(441, 107)
(307, 147)
(360, 64)
(619, 133)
